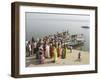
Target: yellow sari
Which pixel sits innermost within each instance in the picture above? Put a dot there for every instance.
(65, 52)
(55, 54)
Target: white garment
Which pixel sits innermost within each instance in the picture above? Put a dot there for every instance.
(35, 44)
(30, 47)
(47, 52)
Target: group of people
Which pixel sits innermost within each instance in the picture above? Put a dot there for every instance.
(52, 46)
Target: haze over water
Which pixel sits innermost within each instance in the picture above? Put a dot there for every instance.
(39, 25)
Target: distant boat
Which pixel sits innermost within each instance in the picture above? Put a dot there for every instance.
(74, 43)
(85, 27)
(76, 40)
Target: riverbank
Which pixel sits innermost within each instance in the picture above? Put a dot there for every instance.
(72, 59)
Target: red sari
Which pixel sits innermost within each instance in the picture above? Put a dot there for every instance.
(58, 51)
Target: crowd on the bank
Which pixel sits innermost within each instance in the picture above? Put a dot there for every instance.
(52, 46)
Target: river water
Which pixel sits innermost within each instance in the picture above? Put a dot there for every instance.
(41, 24)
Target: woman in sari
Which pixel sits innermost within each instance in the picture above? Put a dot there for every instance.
(55, 53)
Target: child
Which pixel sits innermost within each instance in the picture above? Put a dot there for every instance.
(79, 56)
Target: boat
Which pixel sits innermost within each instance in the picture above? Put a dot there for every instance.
(76, 40)
(85, 27)
(74, 44)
